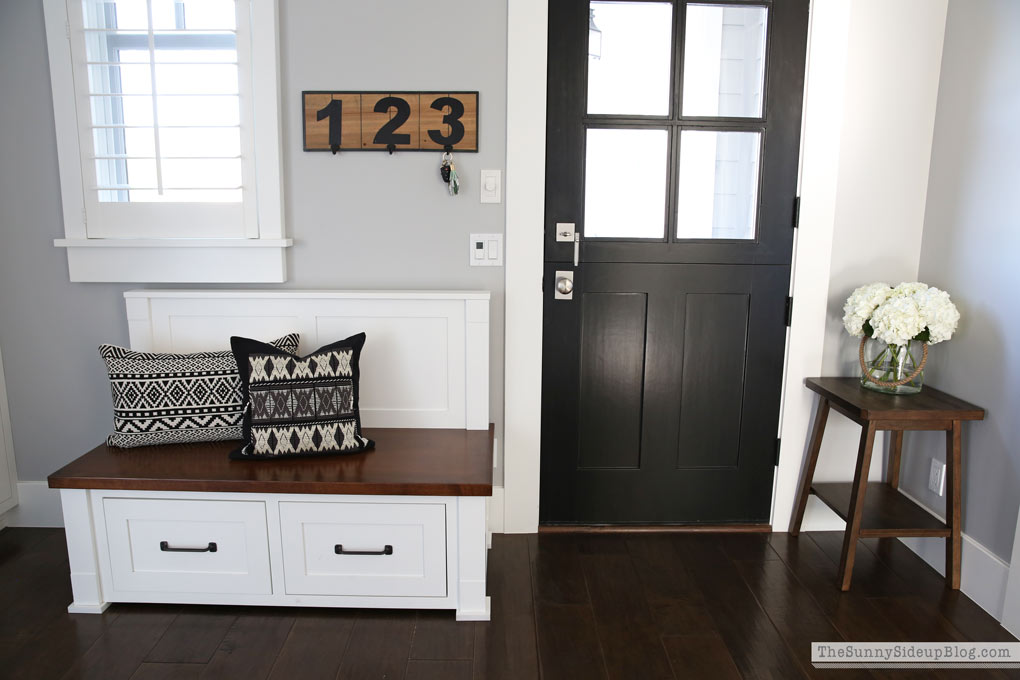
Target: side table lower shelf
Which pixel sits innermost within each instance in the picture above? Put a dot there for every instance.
(887, 512)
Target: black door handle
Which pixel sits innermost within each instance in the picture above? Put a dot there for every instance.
(339, 550)
(165, 547)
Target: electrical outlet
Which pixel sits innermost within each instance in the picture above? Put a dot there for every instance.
(937, 477)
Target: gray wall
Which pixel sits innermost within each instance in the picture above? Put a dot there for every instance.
(359, 220)
(892, 80)
(971, 247)
(49, 328)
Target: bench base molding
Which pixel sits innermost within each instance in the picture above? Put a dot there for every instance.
(115, 541)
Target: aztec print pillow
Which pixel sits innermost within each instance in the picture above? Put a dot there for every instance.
(175, 398)
(300, 406)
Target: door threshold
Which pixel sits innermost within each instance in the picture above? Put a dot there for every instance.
(654, 528)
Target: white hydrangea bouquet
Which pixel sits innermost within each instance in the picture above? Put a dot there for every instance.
(901, 322)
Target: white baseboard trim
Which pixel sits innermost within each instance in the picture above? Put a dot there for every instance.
(819, 517)
(983, 574)
(38, 506)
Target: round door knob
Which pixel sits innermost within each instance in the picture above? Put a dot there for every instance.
(564, 285)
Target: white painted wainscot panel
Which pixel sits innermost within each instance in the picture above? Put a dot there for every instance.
(426, 356)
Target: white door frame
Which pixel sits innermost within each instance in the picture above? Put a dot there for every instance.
(527, 27)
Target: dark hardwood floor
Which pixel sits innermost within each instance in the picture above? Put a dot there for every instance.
(583, 606)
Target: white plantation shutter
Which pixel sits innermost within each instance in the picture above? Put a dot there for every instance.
(165, 121)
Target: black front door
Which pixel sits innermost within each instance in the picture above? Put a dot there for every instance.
(673, 143)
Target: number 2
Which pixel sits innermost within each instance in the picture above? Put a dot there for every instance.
(388, 133)
(452, 119)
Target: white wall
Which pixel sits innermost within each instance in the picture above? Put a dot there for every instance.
(885, 150)
(971, 248)
(876, 96)
(359, 220)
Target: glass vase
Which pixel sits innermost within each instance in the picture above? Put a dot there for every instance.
(892, 369)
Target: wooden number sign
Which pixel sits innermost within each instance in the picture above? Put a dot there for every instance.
(394, 121)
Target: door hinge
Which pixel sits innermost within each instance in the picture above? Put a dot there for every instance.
(779, 444)
(796, 212)
(84, 216)
(67, 29)
(789, 311)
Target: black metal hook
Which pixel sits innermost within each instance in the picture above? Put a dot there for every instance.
(448, 148)
(334, 148)
(391, 148)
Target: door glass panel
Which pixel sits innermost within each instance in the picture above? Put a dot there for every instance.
(724, 61)
(629, 55)
(718, 184)
(625, 183)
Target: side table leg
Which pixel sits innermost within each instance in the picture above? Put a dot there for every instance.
(853, 522)
(954, 503)
(809, 470)
(895, 449)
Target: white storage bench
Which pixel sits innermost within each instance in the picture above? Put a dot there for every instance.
(402, 526)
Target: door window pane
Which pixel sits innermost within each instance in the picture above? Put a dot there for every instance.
(629, 55)
(718, 184)
(625, 183)
(724, 61)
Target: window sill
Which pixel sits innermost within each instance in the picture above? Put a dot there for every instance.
(176, 260)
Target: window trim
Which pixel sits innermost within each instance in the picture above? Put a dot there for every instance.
(258, 258)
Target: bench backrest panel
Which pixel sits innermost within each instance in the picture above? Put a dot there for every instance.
(426, 357)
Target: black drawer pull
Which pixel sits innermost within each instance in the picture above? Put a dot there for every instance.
(165, 547)
(339, 550)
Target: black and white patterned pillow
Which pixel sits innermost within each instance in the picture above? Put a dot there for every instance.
(176, 398)
(300, 406)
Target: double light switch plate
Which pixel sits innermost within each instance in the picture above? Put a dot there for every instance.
(486, 250)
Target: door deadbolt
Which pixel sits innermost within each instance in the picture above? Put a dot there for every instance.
(564, 286)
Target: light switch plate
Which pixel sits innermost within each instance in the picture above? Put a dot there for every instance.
(490, 186)
(485, 250)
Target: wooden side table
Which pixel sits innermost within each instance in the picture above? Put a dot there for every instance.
(878, 509)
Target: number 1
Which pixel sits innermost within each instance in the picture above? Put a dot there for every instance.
(334, 109)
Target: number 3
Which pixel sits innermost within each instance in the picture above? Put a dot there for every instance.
(452, 119)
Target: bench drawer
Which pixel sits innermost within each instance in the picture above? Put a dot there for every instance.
(367, 549)
(187, 546)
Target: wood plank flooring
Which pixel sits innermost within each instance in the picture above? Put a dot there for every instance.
(584, 606)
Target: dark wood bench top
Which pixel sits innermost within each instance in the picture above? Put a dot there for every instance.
(412, 462)
(858, 403)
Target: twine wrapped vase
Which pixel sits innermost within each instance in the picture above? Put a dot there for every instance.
(893, 369)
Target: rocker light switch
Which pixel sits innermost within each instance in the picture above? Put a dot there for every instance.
(486, 250)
